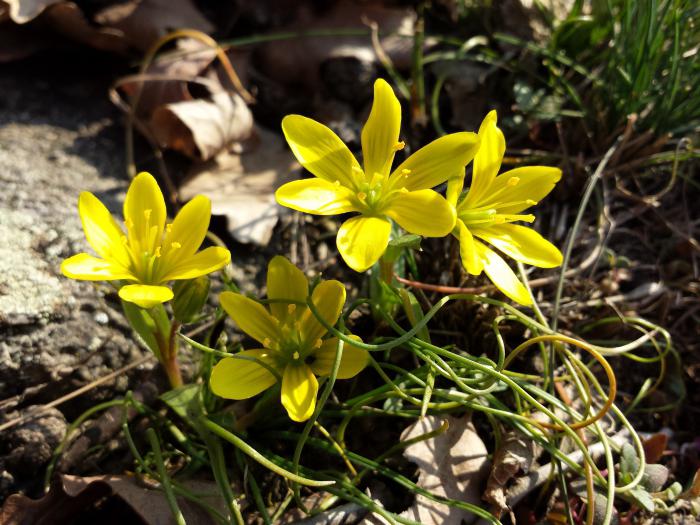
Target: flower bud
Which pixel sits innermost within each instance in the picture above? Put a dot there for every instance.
(190, 296)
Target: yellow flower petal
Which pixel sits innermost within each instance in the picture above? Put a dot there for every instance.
(470, 257)
(285, 281)
(533, 183)
(101, 230)
(320, 150)
(207, 261)
(501, 275)
(144, 212)
(380, 134)
(315, 196)
(86, 267)
(188, 230)
(144, 295)
(239, 378)
(522, 244)
(423, 212)
(299, 390)
(487, 160)
(328, 298)
(442, 159)
(352, 362)
(251, 317)
(362, 241)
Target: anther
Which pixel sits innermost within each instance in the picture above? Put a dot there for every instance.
(175, 245)
(147, 214)
(513, 181)
(336, 183)
(530, 202)
(266, 342)
(361, 195)
(296, 355)
(399, 145)
(291, 308)
(157, 252)
(405, 172)
(318, 343)
(129, 223)
(169, 227)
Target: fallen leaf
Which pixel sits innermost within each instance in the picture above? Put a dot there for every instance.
(23, 11)
(143, 22)
(516, 454)
(67, 19)
(70, 496)
(203, 127)
(298, 61)
(452, 464)
(241, 186)
(654, 447)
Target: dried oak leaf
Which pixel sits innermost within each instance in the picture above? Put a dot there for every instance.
(70, 496)
(143, 22)
(67, 19)
(453, 464)
(23, 11)
(298, 61)
(517, 453)
(241, 185)
(203, 127)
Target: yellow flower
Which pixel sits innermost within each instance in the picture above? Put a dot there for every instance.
(375, 192)
(492, 203)
(151, 253)
(292, 339)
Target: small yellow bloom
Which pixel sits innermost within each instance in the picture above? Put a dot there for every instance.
(292, 338)
(375, 192)
(151, 253)
(492, 203)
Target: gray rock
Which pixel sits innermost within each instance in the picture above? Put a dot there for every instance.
(56, 140)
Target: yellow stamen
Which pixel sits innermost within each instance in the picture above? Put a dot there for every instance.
(318, 343)
(267, 342)
(291, 308)
(399, 145)
(513, 181)
(337, 183)
(169, 227)
(157, 252)
(296, 355)
(175, 245)
(405, 172)
(361, 195)
(147, 214)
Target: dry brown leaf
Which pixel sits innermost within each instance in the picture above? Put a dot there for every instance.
(298, 61)
(517, 453)
(453, 464)
(202, 128)
(67, 19)
(23, 11)
(654, 447)
(241, 186)
(143, 22)
(70, 496)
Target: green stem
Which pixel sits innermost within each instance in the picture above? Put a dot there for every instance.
(164, 478)
(257, 456)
